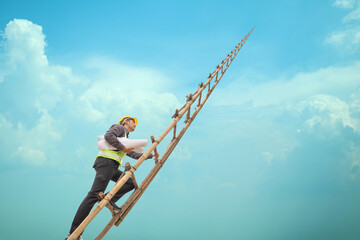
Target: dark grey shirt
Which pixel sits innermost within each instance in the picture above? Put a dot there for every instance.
(116, 131)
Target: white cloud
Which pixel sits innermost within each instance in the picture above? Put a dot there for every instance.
(31, 89)
(119, 88)
(26, 65)
(336, 38)
(346, 4)
(328, 111)
(25, 44)
(30, 145)
(347, 40)
(353, 15)
(30, 155)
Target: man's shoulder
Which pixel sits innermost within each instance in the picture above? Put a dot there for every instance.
(117, 129)
(117, 126)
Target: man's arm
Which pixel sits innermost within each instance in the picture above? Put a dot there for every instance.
(113, 133)
(136, 155)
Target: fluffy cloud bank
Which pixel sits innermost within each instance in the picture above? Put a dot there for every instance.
(41, 101)
(334, 90)
(120, 88)
(285, 118)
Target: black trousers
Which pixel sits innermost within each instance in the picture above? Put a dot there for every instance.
(106, 170)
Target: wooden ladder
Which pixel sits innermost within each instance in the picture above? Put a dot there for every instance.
(119, 215)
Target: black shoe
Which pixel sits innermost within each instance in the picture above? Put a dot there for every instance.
(116, 207)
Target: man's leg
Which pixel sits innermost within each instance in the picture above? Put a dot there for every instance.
(127, 187)
(102, 178)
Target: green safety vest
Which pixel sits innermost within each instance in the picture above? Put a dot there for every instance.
(112, 154)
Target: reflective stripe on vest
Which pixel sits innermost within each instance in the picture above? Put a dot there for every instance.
(114, 155)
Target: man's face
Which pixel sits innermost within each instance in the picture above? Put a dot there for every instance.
(131, 125)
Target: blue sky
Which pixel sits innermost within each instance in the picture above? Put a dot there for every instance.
(274, 153)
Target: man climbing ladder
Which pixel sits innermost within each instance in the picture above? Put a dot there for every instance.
(107, 164)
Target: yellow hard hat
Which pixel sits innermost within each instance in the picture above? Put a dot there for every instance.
(135, 120)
